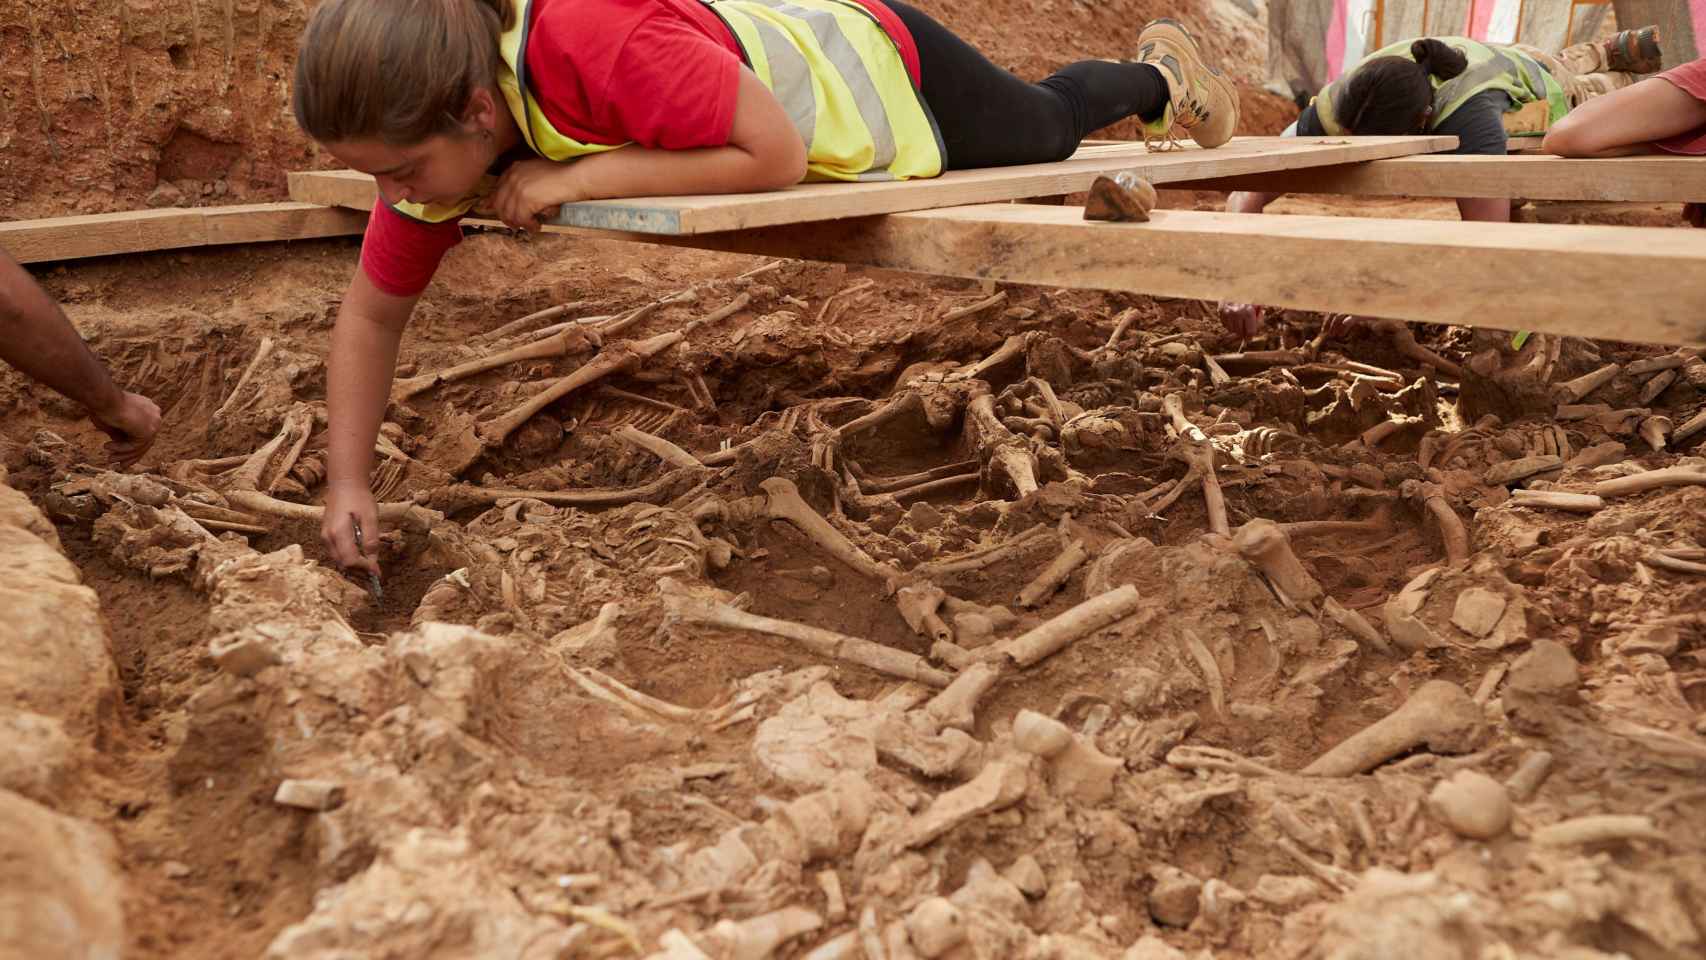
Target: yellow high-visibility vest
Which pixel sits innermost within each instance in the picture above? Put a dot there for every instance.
(837, 73)
(1492, 66)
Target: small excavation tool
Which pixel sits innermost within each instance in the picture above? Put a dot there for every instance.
(372, 578)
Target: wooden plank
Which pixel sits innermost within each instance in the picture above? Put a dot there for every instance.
(1644, 284)
(140, 231)
(829, 201)
(1647, 179)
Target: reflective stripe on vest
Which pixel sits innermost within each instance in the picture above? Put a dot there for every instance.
(837, 73)
(1492, 66)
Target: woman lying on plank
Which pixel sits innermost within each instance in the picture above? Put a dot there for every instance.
(449, 103)
(1481, 93)
(1665, 114)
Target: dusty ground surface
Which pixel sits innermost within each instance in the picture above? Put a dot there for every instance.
(507, 787)
(561, 733)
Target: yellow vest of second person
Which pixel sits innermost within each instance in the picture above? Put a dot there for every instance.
(1492, 66)
(837, 73)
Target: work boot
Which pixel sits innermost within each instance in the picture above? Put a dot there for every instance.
(1200, 100)
(1634, 51)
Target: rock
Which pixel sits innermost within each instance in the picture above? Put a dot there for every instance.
(1176, 896)
(61, 894)
(1546, 671)
(935, 927)
(1408, 631)
(922, 516)
(1285, 892)
(176, 870)
(1472, 804)
(973, 630)
(1478, 611)
(37, 756)
(1026, 874)
(166, 194)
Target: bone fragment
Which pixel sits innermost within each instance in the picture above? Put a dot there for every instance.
(261, 354)
(1086, 618)
(316, 795)
(1012, 348)
(1573, 391)
(1472, 804)
(891, 484)
(843, 947)
(1000, 785)
(1210, 669)
(782, 501)
(1053, 576)
(1557, 500)
(1669, 361)
(458, 495)
(955, 707)
(960, 313)
(657, 446)
(1380, 522)
(1439, 715)
(1654, 430)
(1002, 446)
(680, 608)
(1199, 454)
(835, 901)
(1692, 426)
(1525, 781)
(1513, 470)
(758, 938)
(871, 934)
(1652, 388)
(918, 605)
(1404, 341)
(935, 927)
(1601, 828)
(1264, 544)
(1677, 476)
(1581, 411)
(1431, 496)
(1384, 430)
(985, 556)
(1356, 625)
(1665, 561)
(1076, 767)
(562, 344)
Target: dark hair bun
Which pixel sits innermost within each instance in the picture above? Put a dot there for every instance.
(1439, 58)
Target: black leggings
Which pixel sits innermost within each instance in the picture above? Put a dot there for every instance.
(991, 118)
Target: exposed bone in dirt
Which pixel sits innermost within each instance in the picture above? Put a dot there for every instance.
(840, 628)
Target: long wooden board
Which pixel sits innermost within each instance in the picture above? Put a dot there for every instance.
(829, 201)
(1645, 284)
(1650, 179)
(106, 234)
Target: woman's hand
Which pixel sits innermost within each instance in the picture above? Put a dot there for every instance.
(1242, 319)
(346, 506)
(534, 187)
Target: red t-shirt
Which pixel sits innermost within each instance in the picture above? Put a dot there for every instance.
(657, 73)
(1691, 79)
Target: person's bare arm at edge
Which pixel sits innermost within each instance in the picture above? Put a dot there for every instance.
(359, 368)
(1625, 121)
(38, 339)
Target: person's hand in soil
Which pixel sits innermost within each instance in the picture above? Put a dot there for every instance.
(530, 189)
(1337, 325)
(132, 423)
(346, 506)
(1244, 320)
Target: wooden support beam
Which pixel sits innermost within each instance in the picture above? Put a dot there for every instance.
(829, 201)
(1643, 284)
(1647, 179)
(140, 231)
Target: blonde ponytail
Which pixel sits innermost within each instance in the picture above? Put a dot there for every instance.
(398, 71)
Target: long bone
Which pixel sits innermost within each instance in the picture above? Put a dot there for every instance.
(1439, 715)
(1431, 497)
(1053, 635)
(1053, 576)
(615, 357)
(1001, 446)
(1265, 545)
(657, 446)
(955, 706)
(1677, 476)
(1076, 767)
(1404, 341)
(457, 496)
(1198, 453)
(782, 501)
(572, 340)
(682, 609)
(1573, 391)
